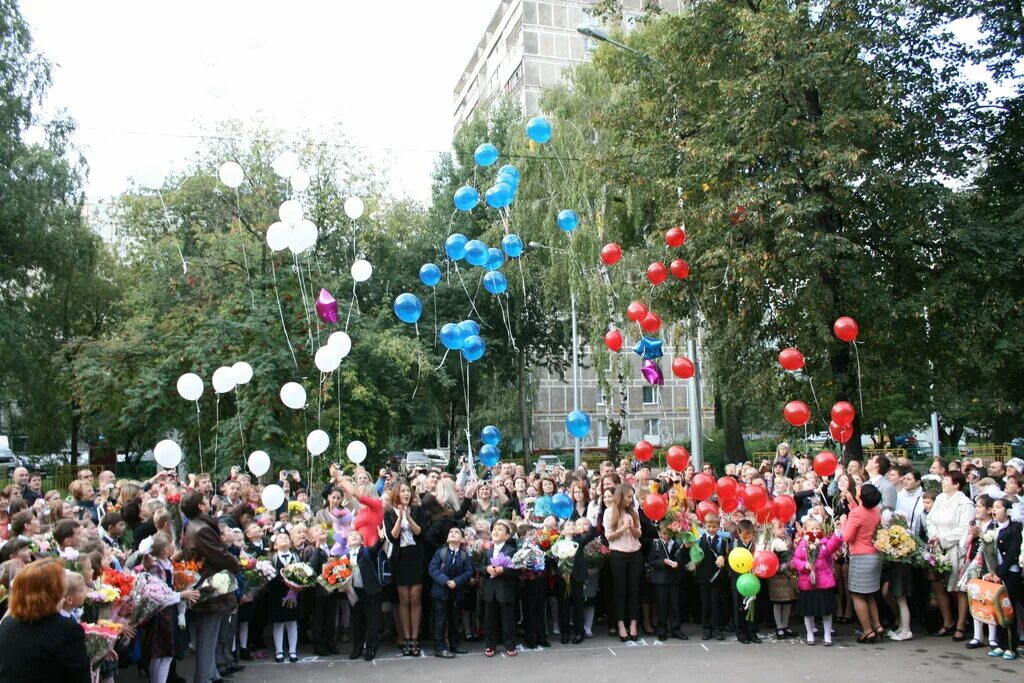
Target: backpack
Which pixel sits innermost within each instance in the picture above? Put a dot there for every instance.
(383, 569)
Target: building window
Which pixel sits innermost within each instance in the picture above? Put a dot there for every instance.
(600, 396)
(602, 433)
(517, 76)
(651, 395)
(652, 430)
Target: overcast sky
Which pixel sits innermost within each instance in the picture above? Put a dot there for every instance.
(139, 77)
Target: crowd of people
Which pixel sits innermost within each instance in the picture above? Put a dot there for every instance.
(432, 561)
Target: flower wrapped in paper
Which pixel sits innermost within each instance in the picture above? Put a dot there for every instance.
(216, 585)
(564, 552)
(298, 577)
(336, 575)
(896, 544)
(596, 553)
(186, 575)
(529, 558)
(149, 596)
(480, 552)
(100, 639)
(258, 575)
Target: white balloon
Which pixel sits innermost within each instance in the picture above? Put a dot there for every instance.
(167, 453)
(327, 359)
(290, 211)
(340, 341)
(272, 497)
(279, 236)
(230, 174)
(293, 395)
(354, 207)
(259, 463)
(223, 380)
(300, 180)
(285, 164)
(356, 452)
(242, 372)
(304, 235)
(190, 385)
(317, 441)
(361, 270)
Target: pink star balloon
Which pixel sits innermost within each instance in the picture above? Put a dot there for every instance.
(327, 307)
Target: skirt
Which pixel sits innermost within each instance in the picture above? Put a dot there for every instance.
(407, 565)
(865, 572)
(898, 576)
(820, 602)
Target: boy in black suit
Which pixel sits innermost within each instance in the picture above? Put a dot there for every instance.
(325, 603)
(365, 614)
(746, 630)
(572, 605)
(451, 568)
(712, 577)
(498, 590)
(664, 565)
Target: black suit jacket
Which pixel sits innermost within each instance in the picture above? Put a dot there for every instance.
(1008, 542)
(713, 547)
(503, 587)
(661, 574)
(367, 560)
(580, 572)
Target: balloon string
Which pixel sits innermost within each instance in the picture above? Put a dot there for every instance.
(821, 415)
(316, 318)
(337, 390)
(860, 392)
(280, 312)
(351, 303)
(472, 303)
(522, 278)
(506, 317)
(216, 437)
(441, 364)
(245, 256)
(469, 441)
(305, 303)
(320, 400)
(433, 295)
(238, 414)
(170, 228)
(199, 436)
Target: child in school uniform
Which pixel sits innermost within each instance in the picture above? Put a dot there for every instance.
(712, 578)
(570, 607)
(663, 562)
(283, 617)
(498, 591)
(450, 570)
(746, 630)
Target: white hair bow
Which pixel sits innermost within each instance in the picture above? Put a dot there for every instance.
(146, 546)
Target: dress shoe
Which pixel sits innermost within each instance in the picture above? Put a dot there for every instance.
(293, 657)
(370, 654)
(459, 650)
(744, 640)
(565, 639)
(356, 654)
(754, 638)
(333, 651)
(578, 639)
(279, 658)
(244, 653)
(544, 643)
(680, 635)
(224, 673)
(445, 654)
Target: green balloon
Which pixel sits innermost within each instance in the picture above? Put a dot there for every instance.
(748, 585)
(696, 554)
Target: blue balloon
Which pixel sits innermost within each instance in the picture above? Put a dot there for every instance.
(538, 129)
(408, 308)
(495, 259)
(508, 179)
(561, 505)
(469, 328)
(489, 455)
(466, 198)
(476, 253)
(455, 246)
(486, 154)
(451, 336)
(473, 348)
(509, 169)
(568, 220)
(430, 274)
(512, 245)
(495, 282)
(490, 435)
(499, 196)
(577, 423)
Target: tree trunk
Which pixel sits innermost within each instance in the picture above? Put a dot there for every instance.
(76, 426)
(735, 450)
(524, 409)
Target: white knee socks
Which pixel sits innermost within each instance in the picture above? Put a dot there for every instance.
(293, 636)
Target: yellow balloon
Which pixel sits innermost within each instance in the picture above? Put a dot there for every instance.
(741, 560)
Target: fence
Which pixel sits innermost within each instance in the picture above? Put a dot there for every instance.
(61, 476)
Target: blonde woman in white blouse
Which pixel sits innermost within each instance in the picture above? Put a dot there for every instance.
(948, 523)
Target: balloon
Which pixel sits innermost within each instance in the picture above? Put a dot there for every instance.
(797, 413)
(747, 585)
(766, 564)
(791, 359)
(512, 245)
(677, 458)
(489, 455)
(327, 307)
(636, 312)
(682, 367)
(408, 307)
(466, 198)
(754, 497)
(655, 506)
(561, 505)
(764, 515)
(825, 464)
(230, 174)
(652, 372)
(577, 423)
(290, 212)
(223, 380)
(476, 253)
(356, 452)
(509, 169)
(272, 497)
(498, 196)
(299, 180)
(285, 164)
(259, 463)
(651, 322)
(611, 253)
(728, 504)
(495, 282)
(648, 349)
(167, 453)
(486, 154)
(705, 508)
(451, 336)
(656, 273)
(455, 246)
(840, 433)
(327, 359)
(783, 507)
(613, 340)
(680, 269)
(242, 372)
(190, 386)
(361, 270)
(702, 487)
(430, 274)
(726, 487)
(568, 220)
(675, 237)
(469, 327)
(538, 129)
(495, 259)
(354, 208)
(279, 236)
(473, 348)
(643, 451)
(846, 329)
(842, 413)
(303, 237)
(293, 395)
(741, 560)
(317, 441)
(340, 341)
(490, 435)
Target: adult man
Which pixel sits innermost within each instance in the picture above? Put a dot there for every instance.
(997, 471)
(877, 467)
(232, 491)
(20, 478)
(84, 474)
(937, 468)
(33, 491)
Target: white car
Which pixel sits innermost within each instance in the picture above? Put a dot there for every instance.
(550, 462)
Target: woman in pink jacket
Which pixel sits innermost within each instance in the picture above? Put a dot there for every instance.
(816, 580)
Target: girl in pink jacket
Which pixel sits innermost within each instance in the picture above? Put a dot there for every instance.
(816, 580)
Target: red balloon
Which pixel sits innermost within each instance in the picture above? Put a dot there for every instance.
(675, 237)
(636, 312)
(613, 340)
(705, 508)
(797, 413)
(655, 507)
(841, 433)
(656, 273)
(683, 368)
(764, 515)
(680, 268)
(791, 359)
(729, 504)
(846, 328)
(726, 488)
(643, 451)
(842, 413)
(611, 253)
(702, 487)
(754, 497)
(677, 458)
(766, 564)
(651, 322)
(784, 507)
(825, 464)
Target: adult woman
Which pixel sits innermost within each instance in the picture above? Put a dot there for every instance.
(580, 499)
(36, 642)
(84, 505)
(444, 509)
(841, 506)
(370, 515)
(947, 524)
(404, 524)
(622, 529)
(543, 505)
(865, 562)
(485, 506)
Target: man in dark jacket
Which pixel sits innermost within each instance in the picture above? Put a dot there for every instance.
(451, 568)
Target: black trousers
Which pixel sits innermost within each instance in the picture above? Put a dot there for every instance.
(626, 576)
(743, 627)
(570, 606)
(667, 599)
(534, 593)
(446, 623)
(712, 614)
(499, 624)
(365, 621)
(1008, 636)
(323, 618)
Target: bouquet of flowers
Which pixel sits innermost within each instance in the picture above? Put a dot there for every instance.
(221, 583)
(149, 596)
(501, 560)
(896, 544)
(186, 575)
(336, 575)
(100, 638)
(297, 510)
(546, 539)
(298, 576)
(813, 538)
(678, 524)
(988, 548)
(529, 558)
(480, 551)
(42, 545)
(258, 575)
(102, 597)
(564, 551)
(781, 550)
(596, 554)
(929, 559)
(122, 581)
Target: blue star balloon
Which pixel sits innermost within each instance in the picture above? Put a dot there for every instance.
(649, 349)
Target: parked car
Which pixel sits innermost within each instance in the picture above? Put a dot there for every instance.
(550, 462)
(8, 461)
(438, 457)
(414, 460)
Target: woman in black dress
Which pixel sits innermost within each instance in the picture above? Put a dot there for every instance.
(404, 523)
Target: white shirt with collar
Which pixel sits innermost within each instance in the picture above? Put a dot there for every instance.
(357, 576)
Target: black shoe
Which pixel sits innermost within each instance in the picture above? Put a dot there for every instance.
(662, 637)
(544, 643)
(530, 646)
(623, 638)
(333, 651)
(235, 668)
(754, 638)
(370, 654)
(445, 654)
(293, 657)
(636, 638)
(224, 674)
(565, 639)
(578, 639)
(680, 635)
(459, 650)
(719, 635)
(356, 654)
(244, 653)
(279, 658)
(743, 639)
(706, 635)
